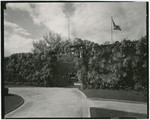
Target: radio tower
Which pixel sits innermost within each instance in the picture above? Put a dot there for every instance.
(68, 26)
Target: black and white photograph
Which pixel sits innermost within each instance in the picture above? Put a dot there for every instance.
(74, 59)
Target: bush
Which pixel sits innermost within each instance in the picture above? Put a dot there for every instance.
(138, 87)
(6, 90)
(121, 65)
(126, 60)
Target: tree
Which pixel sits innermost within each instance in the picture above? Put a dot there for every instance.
(49, 49)
(50, 42)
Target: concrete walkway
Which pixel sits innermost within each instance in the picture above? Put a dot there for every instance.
(50, 103)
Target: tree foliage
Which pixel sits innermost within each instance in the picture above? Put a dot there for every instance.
(38, 68)
(121, 65)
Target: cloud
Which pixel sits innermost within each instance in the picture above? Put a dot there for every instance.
(17, 44)
(12, 27)
(89, 20)
(16, 39)
(5, 14)
(52, 16)
(49, 14)
(9, 24)
(18, 6)
(69, 9)
(92, 21)
(29, 7)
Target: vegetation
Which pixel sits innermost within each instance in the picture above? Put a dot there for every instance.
(102, 113)
(117, 66)
(12, 102)
(40, 67)
(6, 91)
(114, 95)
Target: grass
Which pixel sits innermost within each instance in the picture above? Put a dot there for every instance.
(13, 85)
(102, 113)
(115, 94)
(12, 102)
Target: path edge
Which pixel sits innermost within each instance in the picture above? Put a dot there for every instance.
(89, 114)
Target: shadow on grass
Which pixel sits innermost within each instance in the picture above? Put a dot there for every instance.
(12, 102)
(10, 94)
(115, 94)
(102, 113)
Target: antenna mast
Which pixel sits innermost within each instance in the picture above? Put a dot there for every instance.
(68, 28)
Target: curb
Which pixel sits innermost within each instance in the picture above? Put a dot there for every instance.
(16, 107)
(115, 100)
(89, 114)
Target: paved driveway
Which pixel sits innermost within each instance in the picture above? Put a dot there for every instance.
(50, 103)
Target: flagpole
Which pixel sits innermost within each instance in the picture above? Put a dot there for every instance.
(111, 31)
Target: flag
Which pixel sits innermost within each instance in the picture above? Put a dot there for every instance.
(115, 27)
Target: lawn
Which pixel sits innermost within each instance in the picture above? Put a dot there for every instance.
(115, 94)
(12, 102)
(115, 114)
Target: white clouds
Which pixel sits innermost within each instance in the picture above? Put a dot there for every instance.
(15, 28)
(9, 24)
(52, 16)
(48, 14)
(5, 14)
(26, 7)
(17, 44)
(18, 6)
(90, 20)
(16, 39)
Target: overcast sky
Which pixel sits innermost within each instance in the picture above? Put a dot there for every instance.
(28, 22)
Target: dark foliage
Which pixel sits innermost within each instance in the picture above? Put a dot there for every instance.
(40, 67)
(121, 65)
(6, 91)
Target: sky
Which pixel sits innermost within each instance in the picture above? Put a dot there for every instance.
(29, 21)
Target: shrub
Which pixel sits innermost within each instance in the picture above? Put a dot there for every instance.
(127, 60)
(6, 90)
(138, 87)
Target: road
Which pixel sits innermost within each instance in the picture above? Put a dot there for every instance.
(50, 103)
(64, 103)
